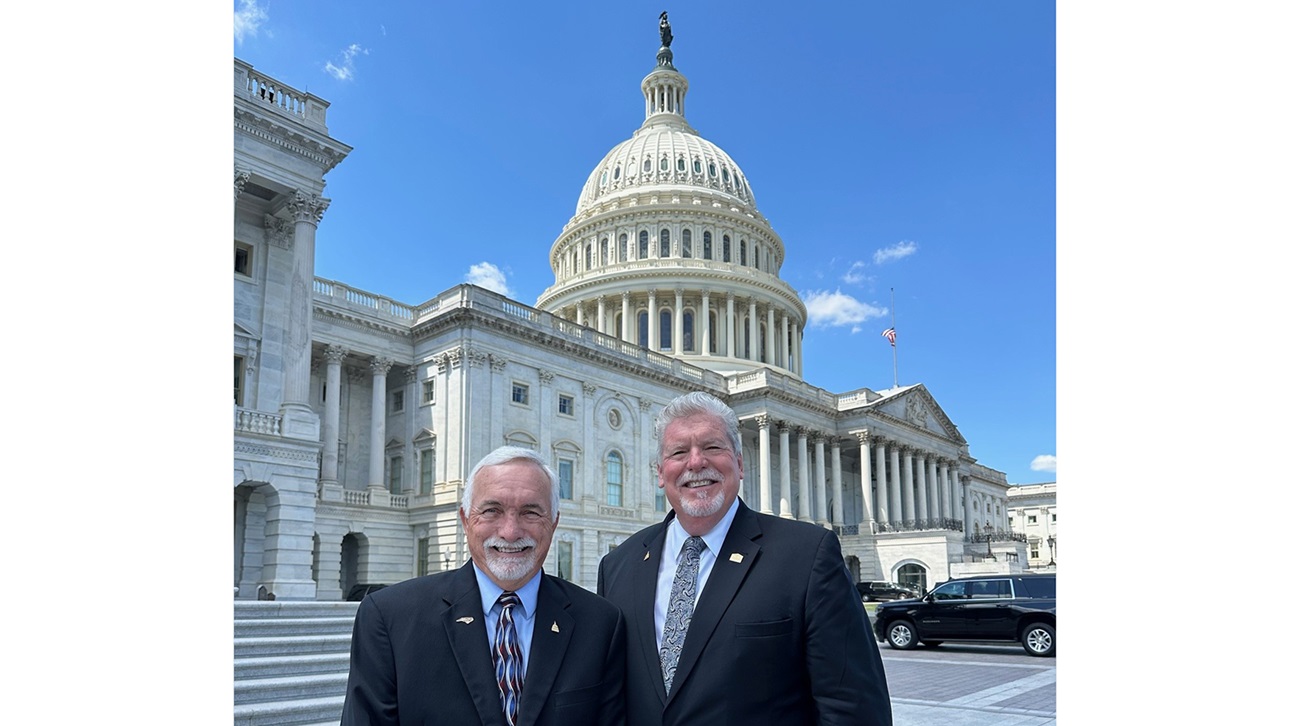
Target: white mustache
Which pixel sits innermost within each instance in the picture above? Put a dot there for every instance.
(503, 545)
(708, 474)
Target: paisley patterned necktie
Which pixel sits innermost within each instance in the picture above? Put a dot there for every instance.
(507, 658)
(680, 608)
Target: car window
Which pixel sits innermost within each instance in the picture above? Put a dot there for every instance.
(950, 591)
(980, 589)
(1041, 586)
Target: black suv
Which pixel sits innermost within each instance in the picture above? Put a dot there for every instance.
(1011, 608)
(883, 591)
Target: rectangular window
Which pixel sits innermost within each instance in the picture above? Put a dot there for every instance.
(566, 405)
(566, 478)
(396, 402)
(520, 394)
(239, 378)
(1054, 517)
(564, 560)
(1034, 550)
(396, 474)
(241, 258)
(1031, 519)
(427, 471)
(427, 391)
(423, 556)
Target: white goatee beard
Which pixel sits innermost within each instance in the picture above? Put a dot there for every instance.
(508, 568)
(702, 503)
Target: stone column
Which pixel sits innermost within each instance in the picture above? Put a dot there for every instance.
(753, 337)
(821, 499)
(783, 341)
(705, 340)
(770, 334)
(287, 571)
(653, 319)
(804, 477)
(942, 486)
(969, 519)
(577, 309)
(298, 419)
(897, 508)
(763, 462)
(835, 448)
(600, 313)
(907, 482)
(376, 463)
(920, 469)
(678, 330)
(956, 492)
(731, 351)
(785, 470)
(331, 416)
(880, 480)
(628, 326)
(865, 516)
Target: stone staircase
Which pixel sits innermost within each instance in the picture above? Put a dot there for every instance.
(290, 662)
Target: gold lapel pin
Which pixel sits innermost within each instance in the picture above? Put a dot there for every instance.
(467, 620)
(736, 558)
(555, 628)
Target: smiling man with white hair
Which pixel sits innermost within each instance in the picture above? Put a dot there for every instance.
(495, 642)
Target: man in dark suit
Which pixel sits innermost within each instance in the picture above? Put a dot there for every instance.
(495, 642)
(733, 616)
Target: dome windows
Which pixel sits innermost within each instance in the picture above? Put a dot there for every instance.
(725, 175)
(687, 245)
(665, 243)
(642, 245)
(707, 245)
(604, 178)
(662, 164)
(647, 166)
(698, 166)
(712, 170)
(618, 171)
(725, 248)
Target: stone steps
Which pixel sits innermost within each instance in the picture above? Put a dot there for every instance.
(290, 662)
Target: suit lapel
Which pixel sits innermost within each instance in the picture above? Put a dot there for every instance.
(727, 575)
(552, 631)
(463, 621)
(644, 577)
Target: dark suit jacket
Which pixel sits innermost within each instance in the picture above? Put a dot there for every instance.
(779, 635)
(413, 660)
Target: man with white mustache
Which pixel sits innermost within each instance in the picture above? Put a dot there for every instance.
(734, 616)
(495, 642)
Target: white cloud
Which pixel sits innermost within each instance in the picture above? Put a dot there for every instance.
(489, 277)
(837, 309)
(1044, 462)
(895, 252)
(247, 20)
(345, 71)
(853, 276)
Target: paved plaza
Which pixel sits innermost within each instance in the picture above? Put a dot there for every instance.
(965, 685)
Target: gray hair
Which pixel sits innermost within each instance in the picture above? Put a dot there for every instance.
(505, 455)
(694, 404)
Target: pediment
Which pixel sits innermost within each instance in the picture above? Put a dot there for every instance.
(241, 332)
(916, 407)
(425, 435)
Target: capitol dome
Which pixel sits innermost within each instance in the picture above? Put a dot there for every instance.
(667, 250)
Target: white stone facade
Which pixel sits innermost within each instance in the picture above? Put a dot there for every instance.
(1032, 511)
(358, 417)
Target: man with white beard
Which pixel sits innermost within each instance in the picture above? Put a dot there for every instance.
(495, 642)
(734, 616)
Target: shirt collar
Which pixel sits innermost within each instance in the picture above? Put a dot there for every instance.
(713, 540)
(489, 591)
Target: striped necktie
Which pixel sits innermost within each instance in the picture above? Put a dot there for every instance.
(680, 608)
(508, 661)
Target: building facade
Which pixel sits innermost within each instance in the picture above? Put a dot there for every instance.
(1032, 513)
(357, 417)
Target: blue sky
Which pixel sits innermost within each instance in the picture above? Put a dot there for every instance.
(905, 146)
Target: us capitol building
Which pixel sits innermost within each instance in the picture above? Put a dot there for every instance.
(358, 417)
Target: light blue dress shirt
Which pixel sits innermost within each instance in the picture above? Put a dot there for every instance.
(523, 615)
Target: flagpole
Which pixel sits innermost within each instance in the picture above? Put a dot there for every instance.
(895, 375)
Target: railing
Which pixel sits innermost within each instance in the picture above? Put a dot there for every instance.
(257, 422)
(996, 537)
(300, 105)
(353, 497)
(920, 525)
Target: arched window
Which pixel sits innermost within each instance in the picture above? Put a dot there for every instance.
(687, 331)
(761, 342)
(604, 251)
(680, 165)
(586, 257)
(707, 245)
(756, 257)
(665, 243)
(687, 247)
(622, 247)
(618, 170)
(614, 479)
(747, 339)
(662, 164)
(698, 166)
(665, 330)
(725, 248)
(642, 329)
(642, 245)
(743, 252)
(647, 167)
(712, 332)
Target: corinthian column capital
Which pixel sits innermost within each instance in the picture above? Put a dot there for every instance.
(306, 207)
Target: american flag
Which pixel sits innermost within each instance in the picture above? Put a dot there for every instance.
(890, 334)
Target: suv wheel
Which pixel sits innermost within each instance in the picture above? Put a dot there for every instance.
(1039, 639)
(902, 635)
